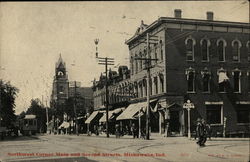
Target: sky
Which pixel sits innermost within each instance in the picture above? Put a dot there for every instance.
(34, 34)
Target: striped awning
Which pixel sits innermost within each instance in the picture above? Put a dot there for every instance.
(91, 117)
(132, 110)
(112, 113)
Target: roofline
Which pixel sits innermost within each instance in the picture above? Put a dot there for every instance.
(189, 21)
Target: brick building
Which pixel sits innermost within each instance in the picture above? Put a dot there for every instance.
(205, 61)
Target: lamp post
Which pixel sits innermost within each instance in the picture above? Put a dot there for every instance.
(188, 105)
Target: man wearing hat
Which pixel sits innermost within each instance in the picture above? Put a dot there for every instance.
(200, 132)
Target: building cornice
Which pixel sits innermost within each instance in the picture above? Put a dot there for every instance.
(162, 20)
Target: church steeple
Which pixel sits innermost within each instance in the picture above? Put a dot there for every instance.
(60, 63)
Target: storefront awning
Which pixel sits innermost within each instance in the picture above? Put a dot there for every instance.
(91, 117)
(111, 114)
(132, 110)
(64, 125)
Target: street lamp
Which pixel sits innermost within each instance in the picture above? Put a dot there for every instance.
(188, 105)
(105, 61)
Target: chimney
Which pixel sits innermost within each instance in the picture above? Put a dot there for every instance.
(177, 13)
(210, 16)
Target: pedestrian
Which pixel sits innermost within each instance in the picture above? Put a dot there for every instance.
(117, 132)
(209, 131)
(200, 131)
(196, 130)
(204, 138)
(134, 131)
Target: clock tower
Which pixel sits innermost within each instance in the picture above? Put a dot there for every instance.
(60, 89)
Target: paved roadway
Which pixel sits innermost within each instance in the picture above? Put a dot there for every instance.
(92, 148)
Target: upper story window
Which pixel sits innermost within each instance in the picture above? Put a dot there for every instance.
(221, 45)
(222, 79)
(190, 43)
(248, 51)
(140, 61)
(205, 44)
(190, 73)
(150, 86)
(161, 49)
(236, 45)
(136, 63)
(248, 80)
(155, 53)
(236, 79)
(206, 78)
(132, 64)
(156, 84)
(161, 76)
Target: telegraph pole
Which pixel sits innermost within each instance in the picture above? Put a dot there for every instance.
(76, 121)
(148, 67)
(105, 61)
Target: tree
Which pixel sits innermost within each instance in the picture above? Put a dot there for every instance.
(36, 108)
(7, 103)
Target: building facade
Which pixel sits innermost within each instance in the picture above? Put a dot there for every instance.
(205, 61)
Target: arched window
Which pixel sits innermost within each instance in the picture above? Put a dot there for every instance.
(222, 80)
(248, 81)
(205, 44)
(206, 78)
(161, 49)
(136, 63)
(145, 86)
(155, 53)
(236, 50)
(161, 76)
(190, 73)
(248, 51)
(156, 84)
(221, 46)
(190, 42)
(236, 80)
(150, 86)
(132, 63)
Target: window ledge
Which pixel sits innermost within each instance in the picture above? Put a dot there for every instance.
(216, 124)
(237, 92)
(221, 61)
(190, 60)
(222, 92)
(243, 124)
(191, 92)
(204, 61)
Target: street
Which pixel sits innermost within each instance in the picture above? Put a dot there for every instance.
(99, 148)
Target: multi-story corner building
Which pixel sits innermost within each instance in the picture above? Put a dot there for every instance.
(205, 61)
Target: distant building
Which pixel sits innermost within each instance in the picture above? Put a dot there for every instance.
(118, 89)
(60, 90)
(63, 95)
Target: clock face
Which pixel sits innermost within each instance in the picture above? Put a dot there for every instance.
(60, 73)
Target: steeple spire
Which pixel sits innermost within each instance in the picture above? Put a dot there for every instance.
(60, 61)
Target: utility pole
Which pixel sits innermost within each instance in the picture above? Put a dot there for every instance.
(105, 61)
(148, 67)
(76, 121)
(47, 116)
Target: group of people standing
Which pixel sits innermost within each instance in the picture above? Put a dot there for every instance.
(203, 131)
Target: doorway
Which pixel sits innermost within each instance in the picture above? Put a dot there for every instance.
(174, 122)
